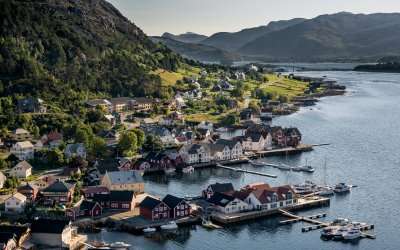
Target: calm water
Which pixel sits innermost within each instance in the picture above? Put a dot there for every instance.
(363, 128)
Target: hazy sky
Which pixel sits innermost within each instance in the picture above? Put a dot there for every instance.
(210, 16)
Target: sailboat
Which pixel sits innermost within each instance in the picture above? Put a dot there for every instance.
(326, 190)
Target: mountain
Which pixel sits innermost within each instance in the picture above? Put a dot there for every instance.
(199, 52)
(64, 51)
(188, 37)
(329, 37)
(233, 41)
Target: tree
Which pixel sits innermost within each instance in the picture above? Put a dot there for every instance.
(254, 106)
(98, 147)
(230, 119)
(140, 137)
(3, 164)
(128, 143)
(77, 162)
(55, 157)
(153, 143)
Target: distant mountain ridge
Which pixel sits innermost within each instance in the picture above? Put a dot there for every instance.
(342, 36)
(188, 37)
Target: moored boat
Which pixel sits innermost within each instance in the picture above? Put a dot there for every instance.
(119, 245)
(342, 188)
(170, 226)
(352, 234)
(149, 230)
(188, 170)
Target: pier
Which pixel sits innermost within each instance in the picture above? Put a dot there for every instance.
(246, 171)
(285, 151)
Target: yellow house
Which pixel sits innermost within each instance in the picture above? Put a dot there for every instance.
(124, 181)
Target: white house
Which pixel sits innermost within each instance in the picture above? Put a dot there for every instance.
(236, 149)
(3, 179)
(23, 150)
(195, 153)
(271, 198)
(206, 125)
(22, 170)
(256, 142)
(219, 152)
(228, 204)
(75, 150)
(15, 203)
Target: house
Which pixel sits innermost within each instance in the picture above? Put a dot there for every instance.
(100, 103)
(56, 234)
(240, 76)
(225, 85)
(255, 142)
(20, 134)
(167, 138)
(124, 180)
(31, 105)
(7, 241)
(18, 233)
(236, 150)
(121, 104)
(22, 170)
(206, 125)
(3, 179)
(160, 160)
(266, 198)
(292, 136)
(154, 209)
(29, 191)
(195, 153)
(111, 137)
(23, 150)
(89, 192)
(278, 136)
(52, 139)
(143, 104)
(116, 200)
(217, 188)
(180, 102)
(203, 134)
(59, 192)
(248, 115)
(178, 206)
(75, 150)
(15, 203)
(228, 204)
(84, 208)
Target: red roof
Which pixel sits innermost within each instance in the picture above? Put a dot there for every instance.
(95, 190)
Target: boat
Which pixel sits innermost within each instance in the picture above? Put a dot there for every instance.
(352, 234)
(326, 191)
(340, 221)
(188, 170)
(169, 170)
(306, 188)
(257, 164)
(329, 232)
(119, 245)
(342, 188)
(305, 168)
(338, 234)
(170, 226)
(283, 167)
(149, 230)
(208, 224)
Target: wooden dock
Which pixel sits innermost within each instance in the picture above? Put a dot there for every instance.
(284, 151)
(246, 171)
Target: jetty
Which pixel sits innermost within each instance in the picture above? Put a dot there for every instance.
(284, 151)
(246, 171)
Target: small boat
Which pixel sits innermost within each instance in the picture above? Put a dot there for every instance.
(210, 225)
(169, 170)
(257, 164)
(170, 226)
(340, 221)
(352, 234)
(338, 234)
(188, 170)
(326, 191)
(283, 167)
(119, 245)
(329, 232)
(149, 230)
(342, 188)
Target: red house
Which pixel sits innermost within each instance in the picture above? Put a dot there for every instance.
(59, 192)
(178, 207)
(116, 200)
(154, 209)
(84, 208)
(89, 192)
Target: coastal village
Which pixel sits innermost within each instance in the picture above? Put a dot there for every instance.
(52, 206)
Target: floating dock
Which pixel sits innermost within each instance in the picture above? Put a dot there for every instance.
(284, 151)
(246, 171)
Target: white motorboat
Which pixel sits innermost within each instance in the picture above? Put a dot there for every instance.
(341, 221)
(170, 226)
(306, 188)
(352, 234)
(120, 245)
(188, 170)
(342, 188)
(149, 230)
(169, 170)
(326, 191)
(329, 232)
(338, 234)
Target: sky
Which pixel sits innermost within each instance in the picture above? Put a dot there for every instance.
(207, 17)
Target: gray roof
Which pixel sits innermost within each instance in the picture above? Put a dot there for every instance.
(73, 148)
(229, 143)
(125, 177)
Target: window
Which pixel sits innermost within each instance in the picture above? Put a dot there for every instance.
(125, 205)
(114, 205)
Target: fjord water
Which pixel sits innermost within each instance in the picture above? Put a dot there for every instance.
(363, 128)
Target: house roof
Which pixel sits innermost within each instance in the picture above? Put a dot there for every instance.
(144, 100)
(24, 165)
(150, 202)
(20, 131)
(48, 226)
(221, 187)
(18, 231)
(220, 199)
(6, 237)
(124, 177)
(18, 196)
(229, 143)
(120, 100)
(96, 102)
(172, 201)
(27, 186)
(58, 187)
(24, 144)
(73, 148)
(95, 189)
